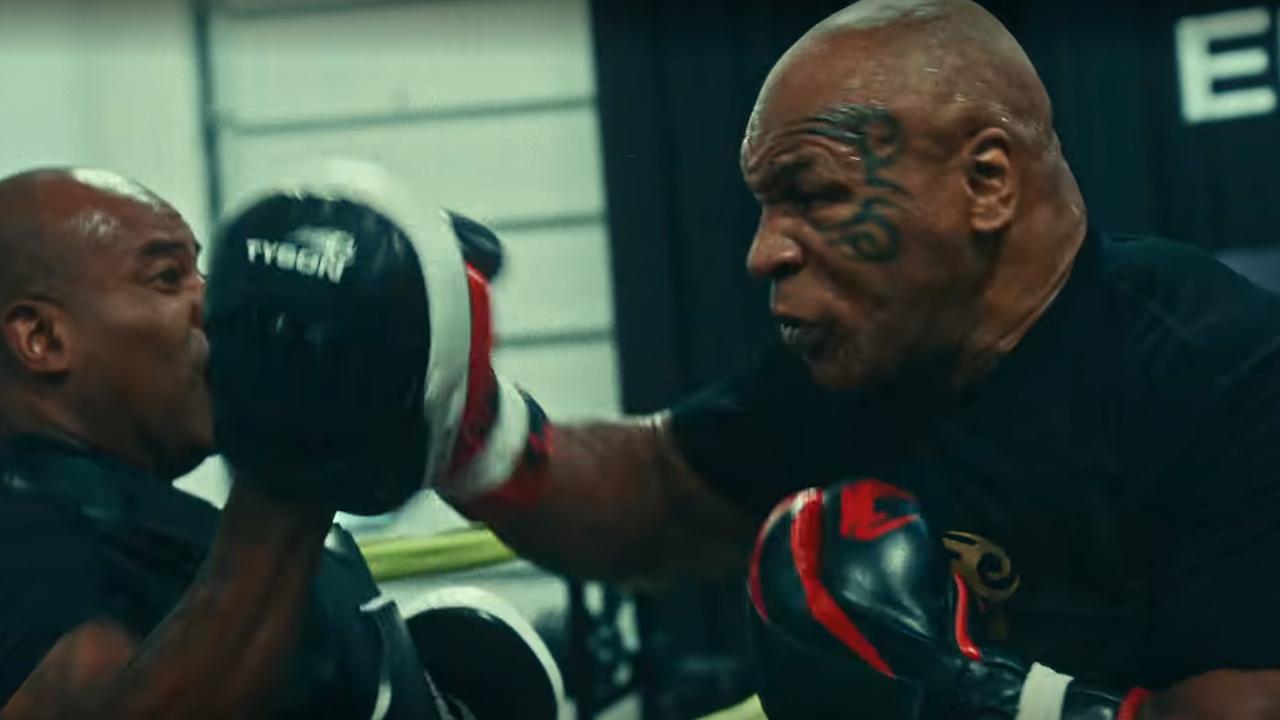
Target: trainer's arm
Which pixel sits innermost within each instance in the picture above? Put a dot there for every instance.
(219, 653)
(623, 504)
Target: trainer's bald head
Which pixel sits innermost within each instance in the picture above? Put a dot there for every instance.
(52, 219)
(947, 68)
(101, 319)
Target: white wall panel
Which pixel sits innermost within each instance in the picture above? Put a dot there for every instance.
(554, 280)
(256, 8)
(143, 84)
(412, 57)
(570, 381)
(44, 118)
(501, 166)
(105, 84)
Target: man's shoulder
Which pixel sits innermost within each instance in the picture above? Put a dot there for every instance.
(64, 529)
(28, 520)
(53, 582)
(45, 547)
(1180, 307)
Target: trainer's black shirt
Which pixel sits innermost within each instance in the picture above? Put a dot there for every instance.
(84, 537)
(1113, 486)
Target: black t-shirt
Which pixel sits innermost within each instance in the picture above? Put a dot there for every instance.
(1112, 487)
(84, 537)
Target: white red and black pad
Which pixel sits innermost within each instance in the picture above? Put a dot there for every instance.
(338, 314)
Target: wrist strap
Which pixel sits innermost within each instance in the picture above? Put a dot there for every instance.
(1132, 703)
(1043, 693)
(512, 473)
(498, 458)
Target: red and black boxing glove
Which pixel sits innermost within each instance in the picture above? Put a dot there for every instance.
(856, 613)
(498, 464)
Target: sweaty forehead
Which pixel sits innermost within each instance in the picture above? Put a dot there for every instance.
(91, 229)
(60, 227)
(809, 84)
(900, 65)
(825, 136)
(105, 209)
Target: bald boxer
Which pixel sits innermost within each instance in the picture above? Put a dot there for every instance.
(123, 597)
(1088, 421)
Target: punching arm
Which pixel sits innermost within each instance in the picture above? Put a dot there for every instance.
(1220, 695)
(621, 503)
(608, 499)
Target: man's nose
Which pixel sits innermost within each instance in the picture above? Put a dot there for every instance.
(774, 254)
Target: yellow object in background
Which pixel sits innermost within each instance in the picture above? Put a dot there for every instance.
(749, 709)
(399, 557)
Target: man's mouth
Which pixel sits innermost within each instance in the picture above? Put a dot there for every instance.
(202, 358)
(800, 336)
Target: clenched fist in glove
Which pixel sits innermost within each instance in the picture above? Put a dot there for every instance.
(858, 615)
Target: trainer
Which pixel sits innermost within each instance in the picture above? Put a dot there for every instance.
(126, 598)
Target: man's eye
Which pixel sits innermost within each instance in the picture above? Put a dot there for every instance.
(824, 197)
(169, 276)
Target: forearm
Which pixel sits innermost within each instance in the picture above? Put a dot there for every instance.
(1220, 695)
(621, 504)
(220, 651)
(223, 646)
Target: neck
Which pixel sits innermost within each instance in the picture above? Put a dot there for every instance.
(1033, 266)
(37, 416)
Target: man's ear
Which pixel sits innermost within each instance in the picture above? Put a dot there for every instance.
(991, 181)
(37, 335)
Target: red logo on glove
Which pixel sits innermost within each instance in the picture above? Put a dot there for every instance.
(861, 520)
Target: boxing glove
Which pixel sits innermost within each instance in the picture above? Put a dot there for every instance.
(499, 459)
(484, 657)
(855, 613)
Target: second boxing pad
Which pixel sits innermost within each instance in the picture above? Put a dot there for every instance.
(321, 340)
(484, 656)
